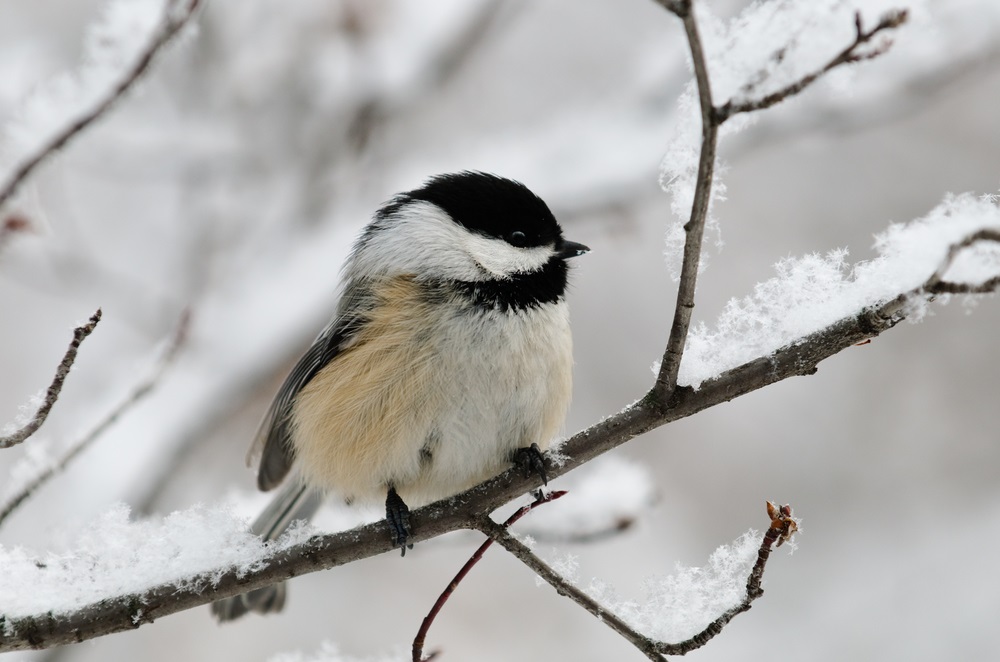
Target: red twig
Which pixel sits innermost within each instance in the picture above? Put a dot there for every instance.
(418, 641)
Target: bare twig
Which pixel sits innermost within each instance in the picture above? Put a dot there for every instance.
(679, 7)
(80, 334)
(781, 528)
(584, 536)
(140, 391)
(936, 285)
(562, 586)
(694, 229)
(418, 641)
(890, 20)
(175, 16)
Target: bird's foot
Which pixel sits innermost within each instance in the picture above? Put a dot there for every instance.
(397, 516)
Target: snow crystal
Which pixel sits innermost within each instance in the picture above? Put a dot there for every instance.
(679, 606)
(812, 292)
(115, 557)
(25, 413)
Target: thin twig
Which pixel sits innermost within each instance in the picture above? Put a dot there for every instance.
(666, 381)
(175, 17)
(782, 527)
(583, 536)
(562, 586)
(80, 334)
(139, 392)
(890, 20)
(418, 641)
(936, 285)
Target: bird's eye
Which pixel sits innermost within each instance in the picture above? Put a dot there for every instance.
(517, 238)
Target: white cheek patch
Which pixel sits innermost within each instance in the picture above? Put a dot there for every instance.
(503, 260)
(426, 242)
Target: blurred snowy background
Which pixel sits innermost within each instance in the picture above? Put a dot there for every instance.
(234, 179)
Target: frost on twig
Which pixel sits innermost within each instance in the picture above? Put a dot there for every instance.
(853, 53)
(712, 118)
(80, 334)
(116, 63)
(635, 622)
(19, 491)
(813, 292)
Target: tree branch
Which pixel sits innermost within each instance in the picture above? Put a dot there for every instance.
(137, 394)
(117, 614)
(425, 626)
(175, 16)
(664, 403)
(501, 535)
(80, 334)
(890, 20)
(694, 229)
(711, 119)
(781, 529)
(936, 285)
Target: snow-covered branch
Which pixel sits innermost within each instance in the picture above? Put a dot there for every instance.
(80, 334)
(909, 250)
(125, 574)
(712, 118)
(118, 67)
(782, 527)
(890, 20)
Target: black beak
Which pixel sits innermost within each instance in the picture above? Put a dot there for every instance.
(567, 249)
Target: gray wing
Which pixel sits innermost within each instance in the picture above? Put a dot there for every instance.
(273, 443)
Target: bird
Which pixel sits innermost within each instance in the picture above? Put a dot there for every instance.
(448, 358)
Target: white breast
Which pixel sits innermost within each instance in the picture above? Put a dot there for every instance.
(433, 412)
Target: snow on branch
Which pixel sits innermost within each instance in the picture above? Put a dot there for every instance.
(692, 186)
(890, 20)
(678, 604)
(80, 333)
(114, 560)
(142, 571)
(118, 52)
(813, 292)
(139, 592)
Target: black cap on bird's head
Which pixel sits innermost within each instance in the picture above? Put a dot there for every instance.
(497, 207)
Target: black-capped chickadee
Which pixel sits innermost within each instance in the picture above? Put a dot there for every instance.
(448, 358)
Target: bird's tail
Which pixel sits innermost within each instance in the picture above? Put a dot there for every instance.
(293, 502)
